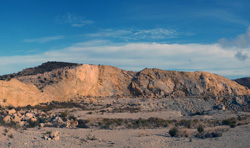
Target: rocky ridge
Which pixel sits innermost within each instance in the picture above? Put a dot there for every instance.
(244, 81)
(54, 81)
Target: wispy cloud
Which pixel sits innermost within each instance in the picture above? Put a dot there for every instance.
(136, 34)
(44, 39)
(136, 56)
(73, 20)
(222, 15)
(157, 33)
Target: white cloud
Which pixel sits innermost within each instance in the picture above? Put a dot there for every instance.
(241, 41)
(136, 56)
(44, 39)
(73, 20)
(240, 44)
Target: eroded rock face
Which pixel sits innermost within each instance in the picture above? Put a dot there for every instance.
(160, 83)
(16, 93)
(68, 83)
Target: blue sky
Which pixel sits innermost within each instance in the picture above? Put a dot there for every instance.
(194, 35)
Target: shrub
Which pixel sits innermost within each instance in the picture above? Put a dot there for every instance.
(231, 122)
(41, 119)
(200, 129)
(213, 134)
(64, 114)
(48, 132)
(89, 113)
(82, 124)
(173, 132)
(10, 136)
(72, 117)
(185, 123)
(90, 137)
(32, 123)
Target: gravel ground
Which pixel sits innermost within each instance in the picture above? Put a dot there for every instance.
(238, 137)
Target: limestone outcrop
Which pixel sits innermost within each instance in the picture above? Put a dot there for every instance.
(72, 81)
(161, 83)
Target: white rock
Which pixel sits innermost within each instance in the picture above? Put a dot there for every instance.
(12, 111)
(29, 116)
(54, 134)
(7, 119)
(56, 138)
(33, 119)
(16, 118)
(21, 123)
(41, 125)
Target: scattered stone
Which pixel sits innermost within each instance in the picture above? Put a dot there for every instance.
(239, 101)
(21, 123)
(7, 119)
(41, 125)
(16, 118)
(12, 111)
(221, 107)
(29, 116)
(52, 136)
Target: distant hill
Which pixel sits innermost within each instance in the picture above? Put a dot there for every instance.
(244, 81)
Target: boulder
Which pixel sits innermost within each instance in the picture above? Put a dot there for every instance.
(221, 107)
(52, 136)
(16, 118)
(29, 116)
(7, 119)
(239, 100)
(12, 111)
(21, 123)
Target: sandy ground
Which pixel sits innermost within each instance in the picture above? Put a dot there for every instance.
(238, 137)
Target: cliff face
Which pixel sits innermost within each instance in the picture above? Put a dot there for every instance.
(67, 82)
(16, 93)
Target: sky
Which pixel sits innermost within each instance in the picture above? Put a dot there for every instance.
(193, 35)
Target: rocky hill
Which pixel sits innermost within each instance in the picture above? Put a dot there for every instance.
(244, 81)
(45, 67)
(58, 81)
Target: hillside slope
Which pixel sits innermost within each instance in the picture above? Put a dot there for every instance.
(75, 81)
(244, 81)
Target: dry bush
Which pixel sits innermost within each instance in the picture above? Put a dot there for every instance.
(143, 134)
(184, 133)
(173, 132)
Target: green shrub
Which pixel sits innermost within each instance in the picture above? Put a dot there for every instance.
(32, 123)
(64, 114)
(173, 132)
(72, 117)
(82, 124)
(231, 122)
(185, 123)
(10, 136)
(200, 129)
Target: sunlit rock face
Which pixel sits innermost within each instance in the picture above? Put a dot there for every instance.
(58, 81)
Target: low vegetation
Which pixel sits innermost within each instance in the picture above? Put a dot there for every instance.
(173, 132)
